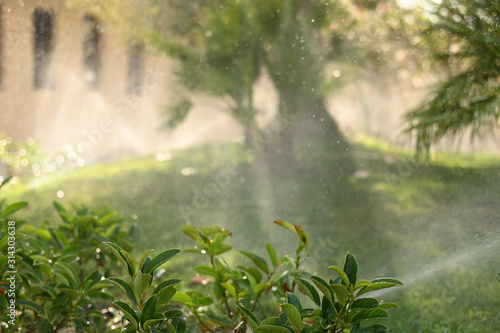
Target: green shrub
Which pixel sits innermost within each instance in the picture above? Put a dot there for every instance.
(54, 275)
(63, 278)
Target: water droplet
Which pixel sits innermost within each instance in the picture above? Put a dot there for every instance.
(188, 171)
(161, 157)
(60, 194)
(203, 252)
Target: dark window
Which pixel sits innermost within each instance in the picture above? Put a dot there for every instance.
(91, 48)
(135, 69)
(43, 37)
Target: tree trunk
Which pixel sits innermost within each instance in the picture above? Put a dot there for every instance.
(312, 138)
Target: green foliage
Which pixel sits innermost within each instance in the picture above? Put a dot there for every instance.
(464, 36)
(147, 309)
(239, 297)
(54, 277)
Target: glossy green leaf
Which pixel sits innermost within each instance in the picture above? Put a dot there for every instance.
(286, 225)
(230, 289)
(59, 239)
(259, 287)
(149, 309)
(251, 319)
(273, 329)
(309, 290)
(38, 258)
(370, 314)
(161, 259)
(127, 287)
(390, 280)
(73, 249)
(191, 231)
(293, 315)
(30, 305)
(377, 286)
(311, 313)
(362, 283)
(351, 268)
(97, 294)
(243, 294)
(92, 280)
(219, 320)
(50, 290)
(365, 303)
(165, 284)
(272, 254)
(129, 313)
(206, 270)
(142, 282)
(170, 329)
(70, 274)
(341, 292)
(164, 297)
(130, 263)
(328, 311)
(294, 300)
(173, 314)
(342, 274)
(271, 321)
(248, 276)
(5, 181)
(143, 259)
(258, 261)
(388, 305)
(182, 298)
(324, 287)
(12, 208)
(63, 213)
(280, 276)
(154, 320)
(117, 251)
(221, 248)
(73, 293)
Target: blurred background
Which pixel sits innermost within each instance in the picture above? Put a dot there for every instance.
(372, 124)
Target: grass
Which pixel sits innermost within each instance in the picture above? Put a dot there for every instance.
(436, 226)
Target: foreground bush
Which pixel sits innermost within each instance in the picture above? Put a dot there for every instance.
(64, 277)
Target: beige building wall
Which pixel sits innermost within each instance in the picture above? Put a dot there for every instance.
(101, 124)
(109, 123)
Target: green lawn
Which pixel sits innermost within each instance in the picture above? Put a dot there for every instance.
(436, 227)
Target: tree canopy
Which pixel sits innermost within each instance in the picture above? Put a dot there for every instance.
(465, 39)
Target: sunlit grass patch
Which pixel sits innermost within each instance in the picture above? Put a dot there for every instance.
(398, 217)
